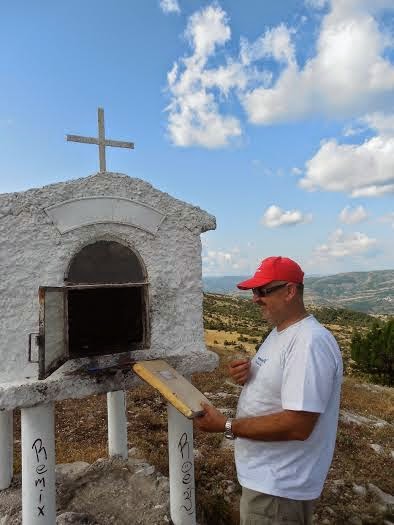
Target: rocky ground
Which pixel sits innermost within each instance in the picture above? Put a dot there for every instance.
(105, 492)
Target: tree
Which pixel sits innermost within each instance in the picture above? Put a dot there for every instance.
(374, 351)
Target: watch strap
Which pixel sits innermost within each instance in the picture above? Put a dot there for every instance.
(228, 430)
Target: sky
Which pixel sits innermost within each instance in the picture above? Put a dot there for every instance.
(276, 117)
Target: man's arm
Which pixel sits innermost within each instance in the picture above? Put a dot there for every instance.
(287, 425)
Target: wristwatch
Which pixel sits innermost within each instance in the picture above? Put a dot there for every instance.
(228, 431)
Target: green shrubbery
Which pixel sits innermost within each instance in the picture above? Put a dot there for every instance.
(372, 347)
(373, 351)
(342, 316)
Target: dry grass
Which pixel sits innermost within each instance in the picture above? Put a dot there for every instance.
(368, 400)
(218, 337)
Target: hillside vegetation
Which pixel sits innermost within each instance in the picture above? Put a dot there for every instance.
(369, 292)
(236, 322)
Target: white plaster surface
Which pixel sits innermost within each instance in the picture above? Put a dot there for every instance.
(117, 424)
(34, 253)
(75, 213)
(72, 381)
(38, 465)
(6, 448)
(181, 468)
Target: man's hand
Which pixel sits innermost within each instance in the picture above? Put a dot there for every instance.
(239, 370)
(211, 420)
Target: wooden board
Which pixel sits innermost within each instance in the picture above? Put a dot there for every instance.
(172, 385)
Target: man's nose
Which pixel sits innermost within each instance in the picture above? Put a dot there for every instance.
(255, 298)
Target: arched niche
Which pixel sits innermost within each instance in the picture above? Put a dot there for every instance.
(105, 262)
(107, 300)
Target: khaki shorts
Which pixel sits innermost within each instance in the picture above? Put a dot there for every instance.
(264, 509)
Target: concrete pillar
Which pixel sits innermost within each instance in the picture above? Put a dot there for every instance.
(38, 465)
(6, 448)
(181, 466)
(117, 424)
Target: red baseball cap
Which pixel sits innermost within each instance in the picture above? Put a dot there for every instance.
(274, 269)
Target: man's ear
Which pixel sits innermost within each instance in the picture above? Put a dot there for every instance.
(291, 290)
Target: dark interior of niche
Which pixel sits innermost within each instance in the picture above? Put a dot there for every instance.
(105, 320)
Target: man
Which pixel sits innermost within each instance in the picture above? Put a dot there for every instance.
(287, 413)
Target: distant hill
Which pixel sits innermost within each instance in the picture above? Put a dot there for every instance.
(370, 292)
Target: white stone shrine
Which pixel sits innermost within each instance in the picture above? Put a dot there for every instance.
(95, 272)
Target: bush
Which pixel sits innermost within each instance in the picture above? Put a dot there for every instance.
(374, 351)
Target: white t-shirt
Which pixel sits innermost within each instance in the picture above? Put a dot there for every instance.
(298, 368)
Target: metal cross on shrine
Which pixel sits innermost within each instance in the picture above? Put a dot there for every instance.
(101, 141)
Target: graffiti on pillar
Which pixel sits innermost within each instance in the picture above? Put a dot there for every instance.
(186, 451)
(41, 458)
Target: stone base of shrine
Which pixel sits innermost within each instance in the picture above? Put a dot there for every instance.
(36, 400)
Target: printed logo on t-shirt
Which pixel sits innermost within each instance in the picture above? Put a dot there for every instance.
(261, 360)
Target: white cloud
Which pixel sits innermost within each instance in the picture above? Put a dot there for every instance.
(353, 215)
(265, 171)
(275, 43)
(341, 245)
(170, 6)
(388, 218)
(222, 262)
(296, 171)
(316, 4)
(365, 169)
(348, 74)
(353, 129)
(275, 216)
(194, 114)
(207, 29)
(381, 122)
(374, 190)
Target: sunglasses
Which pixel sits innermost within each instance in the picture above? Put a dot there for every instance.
(263, 292)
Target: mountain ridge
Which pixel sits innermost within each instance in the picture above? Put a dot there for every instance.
(370, 292)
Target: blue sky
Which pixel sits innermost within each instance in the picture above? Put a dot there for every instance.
(276, 117)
